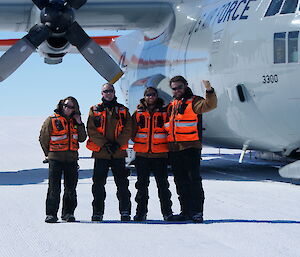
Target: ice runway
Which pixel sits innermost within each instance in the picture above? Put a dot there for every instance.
(249, 211)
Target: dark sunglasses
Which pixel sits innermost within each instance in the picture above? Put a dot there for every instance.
(69, 106)
(178, 88)
(151, 94)
(108, 91)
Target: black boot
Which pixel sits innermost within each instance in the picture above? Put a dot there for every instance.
(140, 217)
(51, 219)
(181, 217)
(68, 218)
(170, 217)
(125, 216)
(97, 217)
(198, 217)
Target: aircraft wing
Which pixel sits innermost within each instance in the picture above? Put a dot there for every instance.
(103, 41)
(21, 15)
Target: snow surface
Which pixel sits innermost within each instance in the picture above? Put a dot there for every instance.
(249, 209)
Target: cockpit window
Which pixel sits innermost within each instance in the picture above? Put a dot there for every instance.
(293, 46)
(284, 6)
(274, 7)
(289, 6)
(279, 47)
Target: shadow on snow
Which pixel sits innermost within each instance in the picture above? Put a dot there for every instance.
(227, 168)
(33, 176)
(161, 222)
(223, 167)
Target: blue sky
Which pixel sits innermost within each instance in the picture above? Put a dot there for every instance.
(35, 88)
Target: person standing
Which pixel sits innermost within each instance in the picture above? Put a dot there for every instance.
(109, 129)
(184, 127)
(151, 147)
(59, 139)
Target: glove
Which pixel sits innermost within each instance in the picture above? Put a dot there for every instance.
(114, 146)
(108, 147)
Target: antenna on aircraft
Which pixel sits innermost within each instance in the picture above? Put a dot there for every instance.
(58, 19)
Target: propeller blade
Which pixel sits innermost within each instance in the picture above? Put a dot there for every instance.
(14, 57)
(94, 54)
(76, 4)
(41, 4)
(19, 52)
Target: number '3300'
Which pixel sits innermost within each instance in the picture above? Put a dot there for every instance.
(270, 79)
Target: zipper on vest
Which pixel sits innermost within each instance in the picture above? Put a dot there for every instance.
(150, 134)
(173, 120)
(69, 134)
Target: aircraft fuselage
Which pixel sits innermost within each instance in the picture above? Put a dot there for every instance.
(232, 44)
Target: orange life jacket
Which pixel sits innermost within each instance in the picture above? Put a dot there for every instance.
(64, 136)
(183, 124)
(100, 115)
(151, 137)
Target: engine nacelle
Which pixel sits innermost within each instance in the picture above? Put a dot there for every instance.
(54, 49)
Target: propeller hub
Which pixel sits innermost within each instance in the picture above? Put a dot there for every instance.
(58, 16)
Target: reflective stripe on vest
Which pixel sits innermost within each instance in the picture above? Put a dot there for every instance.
(57, 138)
(185, 124)
(151, 137)
(101, 117)
(160, 135)
(182, 127)
(140, 135)
(64, 136)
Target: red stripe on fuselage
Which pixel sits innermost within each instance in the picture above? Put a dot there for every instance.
(103, 41)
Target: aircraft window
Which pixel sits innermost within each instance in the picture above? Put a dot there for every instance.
(279, 47)
(293, 46)
(274, 7)
(289, 6)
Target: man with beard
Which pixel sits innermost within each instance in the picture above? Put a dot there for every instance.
(184, 127)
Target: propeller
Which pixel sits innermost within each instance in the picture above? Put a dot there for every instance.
(57, 19)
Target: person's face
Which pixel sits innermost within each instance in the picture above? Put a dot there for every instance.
(68, 107)
(150, 97)
(178, 89)
(108, 93)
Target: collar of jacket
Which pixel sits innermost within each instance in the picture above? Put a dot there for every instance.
(158, 106)
(109, 104)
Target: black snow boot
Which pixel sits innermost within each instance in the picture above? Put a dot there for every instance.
(170, 217)
(96, 217)
(140, 217)
(51, 219)
(125, 216)
(181, 217)
(198, 218)
(68, 218)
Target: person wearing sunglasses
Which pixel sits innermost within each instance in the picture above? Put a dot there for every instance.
(184, 127)
(59, 138)
(151, 147)
(109, 129)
